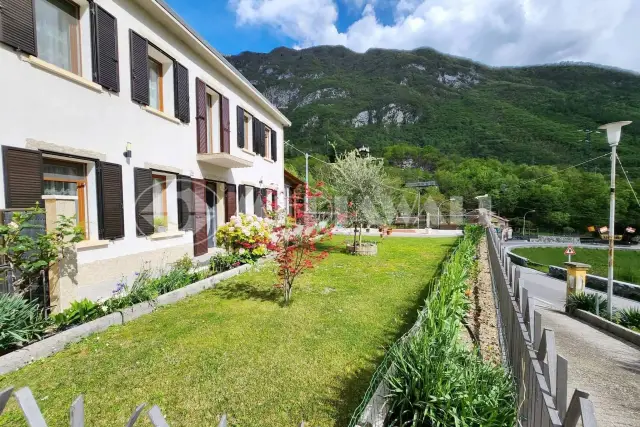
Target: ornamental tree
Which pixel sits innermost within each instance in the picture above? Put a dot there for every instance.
(361, 181)
(295, 239)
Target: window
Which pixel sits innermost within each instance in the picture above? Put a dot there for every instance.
(267, 143)
(57, 33)
(213, 122)
(62, 178)
(159, 203)
(247, 129)
(155, 84)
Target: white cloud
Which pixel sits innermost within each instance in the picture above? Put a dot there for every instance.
(496, 32)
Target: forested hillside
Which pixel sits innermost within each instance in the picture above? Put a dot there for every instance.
(508, 132)
(424, 98)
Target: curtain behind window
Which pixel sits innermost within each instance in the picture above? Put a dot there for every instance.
(55, 22)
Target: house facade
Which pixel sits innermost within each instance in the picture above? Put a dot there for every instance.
(117, 112)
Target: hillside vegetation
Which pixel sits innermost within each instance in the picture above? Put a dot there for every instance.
(508, 132)
(424, 98)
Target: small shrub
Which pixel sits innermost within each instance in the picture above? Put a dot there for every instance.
(629, 318)
(586, 302)
(225, 261)
(140, 291)
(80, 312)
(246, 235)
(21, 321)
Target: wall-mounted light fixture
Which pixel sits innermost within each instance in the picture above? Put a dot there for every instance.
(127, 152)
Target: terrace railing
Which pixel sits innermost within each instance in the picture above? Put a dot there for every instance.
(540, 373)
(34, 418)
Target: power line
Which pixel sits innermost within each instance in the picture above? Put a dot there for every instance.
(330, 164)
(570, 167)
(628, 181)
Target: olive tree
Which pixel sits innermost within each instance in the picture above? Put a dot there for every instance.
(361, 181)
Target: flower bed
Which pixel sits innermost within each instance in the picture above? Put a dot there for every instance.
(23, 323)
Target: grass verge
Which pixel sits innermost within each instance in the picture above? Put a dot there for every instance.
(625, 266)
(236, 350)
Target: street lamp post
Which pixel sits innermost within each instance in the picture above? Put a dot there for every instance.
(614, 131)
(524, 221)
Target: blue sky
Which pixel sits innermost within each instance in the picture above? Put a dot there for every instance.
(495, 32)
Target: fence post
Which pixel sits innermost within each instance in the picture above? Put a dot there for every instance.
(531, 303)
(155, 415)
(223, 421)
(136, 414)
(547, 347)
(588, 413)
(516, 278)
(76, 413)
(537, 336)
(5, 395)
(573, 412)
(524, 298)
(30, 408)
(561, 386)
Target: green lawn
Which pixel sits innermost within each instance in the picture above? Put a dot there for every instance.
(625, 262)
(236, 350)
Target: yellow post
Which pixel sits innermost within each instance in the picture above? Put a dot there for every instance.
(576, 277)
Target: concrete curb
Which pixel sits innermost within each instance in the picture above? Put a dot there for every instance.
(17, 359)
(615, 329)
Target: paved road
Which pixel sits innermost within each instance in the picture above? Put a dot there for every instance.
(602, 365)
(552, 292)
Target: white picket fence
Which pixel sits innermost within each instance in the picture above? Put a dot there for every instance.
(540, 373)
(34, 418)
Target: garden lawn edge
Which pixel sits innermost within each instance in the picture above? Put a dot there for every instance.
(49, 346)
(613, 328)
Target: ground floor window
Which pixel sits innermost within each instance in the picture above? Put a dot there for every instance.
(160, 203)
(68, 179)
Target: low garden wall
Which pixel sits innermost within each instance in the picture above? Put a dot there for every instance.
(620, 289)
(556, 239)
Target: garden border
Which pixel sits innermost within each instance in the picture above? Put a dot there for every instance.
(613, 328)
(51, 345)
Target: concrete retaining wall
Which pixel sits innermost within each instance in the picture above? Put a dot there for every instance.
(556, 239)
(17, 359)
(620, 289)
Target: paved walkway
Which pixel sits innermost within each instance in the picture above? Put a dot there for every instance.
(602, 365)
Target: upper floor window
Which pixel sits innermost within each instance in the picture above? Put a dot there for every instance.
(247, 130)
(267, 142)
(155, 84)
(57, 33)
(213, 122)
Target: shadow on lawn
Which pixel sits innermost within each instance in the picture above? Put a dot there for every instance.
(354, 386)
(248, 290)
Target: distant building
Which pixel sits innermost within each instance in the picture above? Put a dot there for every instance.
(496, 220)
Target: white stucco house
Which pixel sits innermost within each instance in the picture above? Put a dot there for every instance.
(116, 111)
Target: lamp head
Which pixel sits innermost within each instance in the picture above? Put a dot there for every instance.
(614, 131)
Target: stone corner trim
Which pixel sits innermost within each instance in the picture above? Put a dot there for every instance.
(613, 328)
(63, 149)
(39, 350)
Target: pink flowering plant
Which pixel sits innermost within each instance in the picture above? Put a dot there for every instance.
(295, 239)
(246, 236)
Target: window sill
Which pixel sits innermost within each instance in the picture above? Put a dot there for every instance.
(160, 114)
(251, 153)
(58, 197)
(165, 235)
(268, 160)
(54, 69)
(91, 244)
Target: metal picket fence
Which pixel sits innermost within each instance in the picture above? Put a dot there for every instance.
(34, 417)
(540, 373)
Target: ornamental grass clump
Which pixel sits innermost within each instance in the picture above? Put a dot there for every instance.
(245, 235)
(434, 379)
(21, 322)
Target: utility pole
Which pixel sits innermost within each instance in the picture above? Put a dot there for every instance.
(614, 131)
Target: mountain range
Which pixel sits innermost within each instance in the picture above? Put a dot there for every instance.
(382, 98)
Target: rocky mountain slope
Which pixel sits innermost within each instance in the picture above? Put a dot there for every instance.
(424, 98)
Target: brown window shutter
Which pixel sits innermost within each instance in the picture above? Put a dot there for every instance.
(200, 245)
(185, 203)
(110, 208)
(230, 205)
(201, 116)
(104, 33)
(17, 25)
(139, 48)
(143, 188)
(226, 125)
(181, 88)
(240, 121)
(256, 139)
(23, 184)
(242, 202)
(274, 146)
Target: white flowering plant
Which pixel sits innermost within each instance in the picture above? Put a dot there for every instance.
(246, 236)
